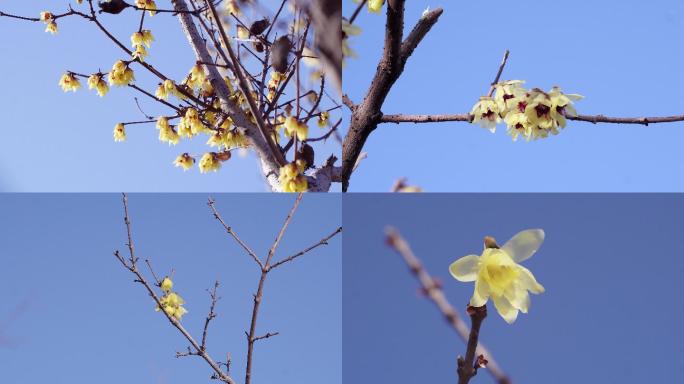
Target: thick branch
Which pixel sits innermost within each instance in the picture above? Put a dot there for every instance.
(434, 292)
(366, 115)
(270, 164)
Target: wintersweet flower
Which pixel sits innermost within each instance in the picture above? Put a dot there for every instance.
(295, 127)
(69, 82)
(46, 16)
(121, 74)
(149, 5)
(209, 162)
(143, 37)
(562, 105)
(184, 161)
(172, 304)
(375, 6)
(538, 109)
(140, 53)
(119, 132)
(51, 27)
(196, 76)
(486, 113)
(166, 285)
(166, 132)
(184, 129)
(323, 119)
(498, 275)
(96, 81)
(518, 124)
(506, 94)
(292, 178)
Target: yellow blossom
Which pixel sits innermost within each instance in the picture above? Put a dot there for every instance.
(149, 5)
(184, 161)
(184, 129)
(51, 27)
(562, 105)
(121, 74)
(293, 126)
(486, 113)
(166, 285)
(96, 81)
(46, 16)
(375, 6)
(119, 132)
(140, 53)
(196, 77)
(323, 119)
(69, 82)
(506, 93)
(242, 32)
(291, 177)
(166, 132)
(172, 304)
(232, 7)
(209, 162)
(498, 275)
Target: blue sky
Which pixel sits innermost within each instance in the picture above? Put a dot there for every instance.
(72, 309)
(54, 141)
(611, 266)
(618, 54)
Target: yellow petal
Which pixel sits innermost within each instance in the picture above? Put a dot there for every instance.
(505, 309)
(465, 269)
(527, 281)
(480, 295)
(524, 244)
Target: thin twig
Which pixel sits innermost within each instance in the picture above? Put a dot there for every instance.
(323, 241)
(434, 292)
(230, 231)
(498, 74)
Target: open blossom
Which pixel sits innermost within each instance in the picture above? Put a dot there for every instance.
(171, 302)
(323, 119)
(562, 105)
(69, 82)
(166, 285)
(196, 76)
(506, 94)
(119, 132)
(121, 74)
(97, 82)
(166, 131)
(498, 275)
(486, 113)
(184, 161)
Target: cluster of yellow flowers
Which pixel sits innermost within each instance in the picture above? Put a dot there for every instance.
(295, 127)
(196, 78)
(171, 302)
(119, 132)
(292, 177)
(49, 19)
(166, 132)
(498, 275)
(140, 40)
(150, 5)
(168, 87)
(121, 74)
(211, 161)
(96, 81)
(531, 113)
(69, 82)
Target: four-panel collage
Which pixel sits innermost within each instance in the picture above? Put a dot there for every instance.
(341, 191)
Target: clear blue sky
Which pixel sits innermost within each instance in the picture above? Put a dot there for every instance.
(81, 316)
(54, 141)
(611, 266)
(619, 54)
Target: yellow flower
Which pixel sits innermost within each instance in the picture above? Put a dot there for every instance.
(562, 105)
(375, 6)
(149, 5)
(323, 119)
(291, 177)
(184, 161)
(538, 109)
(184, 129)
(166, 132)
(121, 74)
(51, 27)
(119, 132)
(292, 127)
(46, 16)
(497, 274)
(69, 82)
(518, 124)
(242, 32)
(166, 285)
(209, 162)
(196, 77)
(172, 304)
(506, 93)
(95, 81)
(232, 7)
(140, 53)
(486, 113)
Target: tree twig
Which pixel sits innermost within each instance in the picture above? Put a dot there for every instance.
(230, 231)
(434, 292)
(323, 241)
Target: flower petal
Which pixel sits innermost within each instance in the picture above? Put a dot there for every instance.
(505, 309)
(466, 268)
(528, 282)
(524, 244)
(518, 297)
(480, 295)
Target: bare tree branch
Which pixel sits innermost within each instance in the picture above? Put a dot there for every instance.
(366, 115)
(230, 231)
(323, 241)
